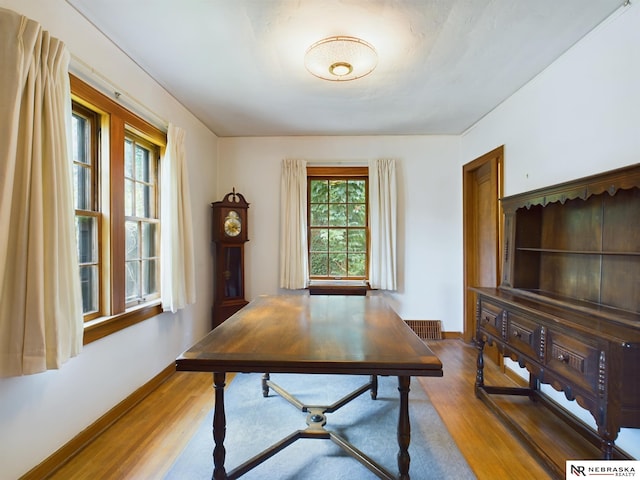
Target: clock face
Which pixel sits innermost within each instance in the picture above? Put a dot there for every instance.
(232, 224)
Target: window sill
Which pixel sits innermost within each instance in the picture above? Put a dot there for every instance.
(103, 326)
(338, 287)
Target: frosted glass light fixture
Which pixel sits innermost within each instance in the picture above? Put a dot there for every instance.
(341, 58)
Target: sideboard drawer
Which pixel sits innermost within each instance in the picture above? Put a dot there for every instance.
(491, 318)
(523, 334)
(573, 358)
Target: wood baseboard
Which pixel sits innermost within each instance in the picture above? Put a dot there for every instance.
(452, 335)
(67, 451)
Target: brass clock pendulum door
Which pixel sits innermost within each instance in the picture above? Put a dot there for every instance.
(229, 235)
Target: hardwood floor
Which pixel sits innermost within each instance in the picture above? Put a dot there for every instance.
(489, 448)
(144, 443)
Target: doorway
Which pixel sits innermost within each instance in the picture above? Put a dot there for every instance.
(482, 230)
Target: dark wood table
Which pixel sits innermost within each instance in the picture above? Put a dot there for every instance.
(313, 334)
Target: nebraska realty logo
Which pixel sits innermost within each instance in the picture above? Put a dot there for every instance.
(602, 468)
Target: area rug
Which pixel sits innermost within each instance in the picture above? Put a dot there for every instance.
(254, 423)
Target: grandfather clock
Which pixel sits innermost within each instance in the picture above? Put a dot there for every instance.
(229, 235)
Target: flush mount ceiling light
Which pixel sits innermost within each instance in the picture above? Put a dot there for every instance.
(340, 58)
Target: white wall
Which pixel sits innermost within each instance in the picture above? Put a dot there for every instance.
(40, 413)
(579, 117)
(429, 204)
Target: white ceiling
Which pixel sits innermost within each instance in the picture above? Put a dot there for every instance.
(238, 65)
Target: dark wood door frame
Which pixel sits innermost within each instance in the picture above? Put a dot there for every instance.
(472, 239)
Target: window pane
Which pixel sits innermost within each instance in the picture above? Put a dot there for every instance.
(319, 191)
(87, 239)
(129, 203)
(128, 158)
(80, 139)
(142, 164)
(338, 240)
(357, 215)
(338, 264)
(356, 191)
(338, 191)
(151, 201)
(132, 291)
(338, 215)
(149, 240)
(319, 264)
(319, 240)
(357, 241)
(131, 240)
(319, 215)
(82, 187)
(89, 286)
(149, 277)
(357, 264)
(143, 200)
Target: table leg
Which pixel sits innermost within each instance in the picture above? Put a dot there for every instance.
(265, 387)
(374, 387)
(404, 428)
(219, 427)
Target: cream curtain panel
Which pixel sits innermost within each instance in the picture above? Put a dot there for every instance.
(294, 262)
(178, 285)
(41, 323)
(382, 224)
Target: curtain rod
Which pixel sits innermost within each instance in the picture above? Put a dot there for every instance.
(90, 75)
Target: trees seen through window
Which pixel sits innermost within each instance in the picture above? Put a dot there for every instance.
(338, 228)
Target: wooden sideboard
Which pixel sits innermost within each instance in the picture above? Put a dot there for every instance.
(568, 306)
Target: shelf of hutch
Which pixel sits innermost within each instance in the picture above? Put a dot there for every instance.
(568, 305)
